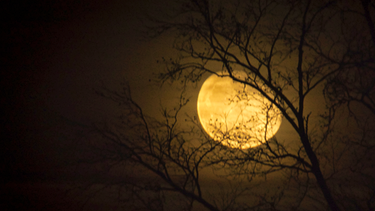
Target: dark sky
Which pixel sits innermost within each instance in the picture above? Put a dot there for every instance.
(57, 53)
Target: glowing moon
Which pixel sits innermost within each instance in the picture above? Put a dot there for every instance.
(238, 116)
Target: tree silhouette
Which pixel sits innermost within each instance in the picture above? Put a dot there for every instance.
(288, 50)
(355, 82)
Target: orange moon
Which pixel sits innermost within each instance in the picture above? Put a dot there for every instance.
(236, 115)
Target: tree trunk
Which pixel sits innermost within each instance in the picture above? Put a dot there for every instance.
(323, 186)
(318, 174)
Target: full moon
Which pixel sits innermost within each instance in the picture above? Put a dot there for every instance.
(236, 115)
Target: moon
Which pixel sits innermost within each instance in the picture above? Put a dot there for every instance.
(236, 115)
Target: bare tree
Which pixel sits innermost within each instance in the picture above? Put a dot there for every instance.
(355, 82)
(287, 50)
(161, 148)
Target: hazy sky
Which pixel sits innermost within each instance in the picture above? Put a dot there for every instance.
(58, 52)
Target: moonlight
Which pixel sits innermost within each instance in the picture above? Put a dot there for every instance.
(236, 115)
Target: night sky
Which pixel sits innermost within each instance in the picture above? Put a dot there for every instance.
(57, 53)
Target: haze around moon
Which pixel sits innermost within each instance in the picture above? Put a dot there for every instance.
(236, 115)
